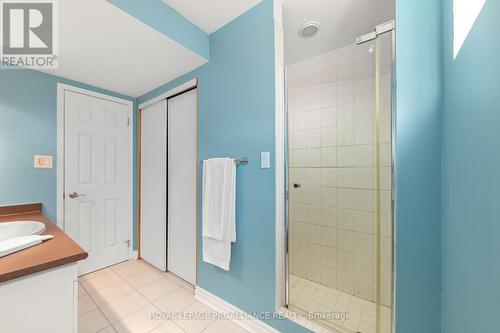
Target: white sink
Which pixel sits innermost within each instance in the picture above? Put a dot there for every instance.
(20, 228)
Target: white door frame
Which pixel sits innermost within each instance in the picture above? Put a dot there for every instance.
(177, 90)
(61, 89)
(281, 133)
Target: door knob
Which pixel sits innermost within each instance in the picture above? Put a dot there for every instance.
(74, 195)
(296, 185)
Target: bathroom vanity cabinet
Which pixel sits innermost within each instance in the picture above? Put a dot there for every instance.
(44, 302)
(39, 285)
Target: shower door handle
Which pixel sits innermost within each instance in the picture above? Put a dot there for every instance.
(296, 185)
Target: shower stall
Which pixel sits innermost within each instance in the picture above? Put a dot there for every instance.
(340, 207)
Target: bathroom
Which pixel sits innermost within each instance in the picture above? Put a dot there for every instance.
(354, 192)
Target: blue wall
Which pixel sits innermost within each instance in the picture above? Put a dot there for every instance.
(161, 17)
(28, 110)
(418, 165)
(471, 176)
(236, 118)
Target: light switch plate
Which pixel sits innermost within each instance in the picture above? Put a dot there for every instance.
(265, 160)
(43, 162)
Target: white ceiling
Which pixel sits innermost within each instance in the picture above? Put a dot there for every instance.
(341, 21)
(211, 15)
(103, 46)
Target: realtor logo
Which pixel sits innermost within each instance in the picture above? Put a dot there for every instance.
(28, 34)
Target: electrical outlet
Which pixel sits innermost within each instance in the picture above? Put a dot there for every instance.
(43, 162)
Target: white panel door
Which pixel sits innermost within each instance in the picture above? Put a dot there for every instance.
(182, 176)
(97, 179)
(154, 185)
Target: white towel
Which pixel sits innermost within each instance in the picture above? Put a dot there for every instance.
(15, 244)
(218, 210)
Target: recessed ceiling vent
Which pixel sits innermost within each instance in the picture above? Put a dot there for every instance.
(309, 29)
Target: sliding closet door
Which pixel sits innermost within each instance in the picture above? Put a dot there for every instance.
(154, 184)
(182, 186)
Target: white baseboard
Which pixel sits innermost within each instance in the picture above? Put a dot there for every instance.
(251, 324)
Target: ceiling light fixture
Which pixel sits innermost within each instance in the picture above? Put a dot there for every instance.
(309, 29)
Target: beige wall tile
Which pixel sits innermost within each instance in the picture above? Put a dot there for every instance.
(345, 240)
(345, 197)
(364, 267)
(328, 137)
(313, 177)
(345, 219)
(328, 117)
(328, 157)
(364, 244)
(329, 237)
(345, 134)
(328, 95)
(314, 138)
(364, 155)
(345, 281)
(328, 177)
(345, 156)
(364, 222)
(345, 177)
(364, 200)
(345, 92)
(364, 133)
(328, 277)
(364, 90)
(345, 114)
(328, 217)
(328, 257)
(364, 112)
(364, 177)
(328, 197)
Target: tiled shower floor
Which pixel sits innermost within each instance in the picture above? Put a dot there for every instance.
(309, 296)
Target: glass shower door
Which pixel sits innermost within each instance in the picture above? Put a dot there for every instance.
(340, 187)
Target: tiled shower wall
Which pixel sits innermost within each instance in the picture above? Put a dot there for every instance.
(332, 156)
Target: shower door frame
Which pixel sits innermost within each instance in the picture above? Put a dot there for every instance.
(282, 273)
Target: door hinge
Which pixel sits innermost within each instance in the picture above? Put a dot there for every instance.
(128, 242)
(286, 195)
(64, 195)
(128, 121)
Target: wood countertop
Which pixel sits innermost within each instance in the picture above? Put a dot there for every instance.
(58, 251)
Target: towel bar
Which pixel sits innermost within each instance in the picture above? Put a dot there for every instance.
(243, 160)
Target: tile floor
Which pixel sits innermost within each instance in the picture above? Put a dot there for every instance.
(309, 296)
(123, 298)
